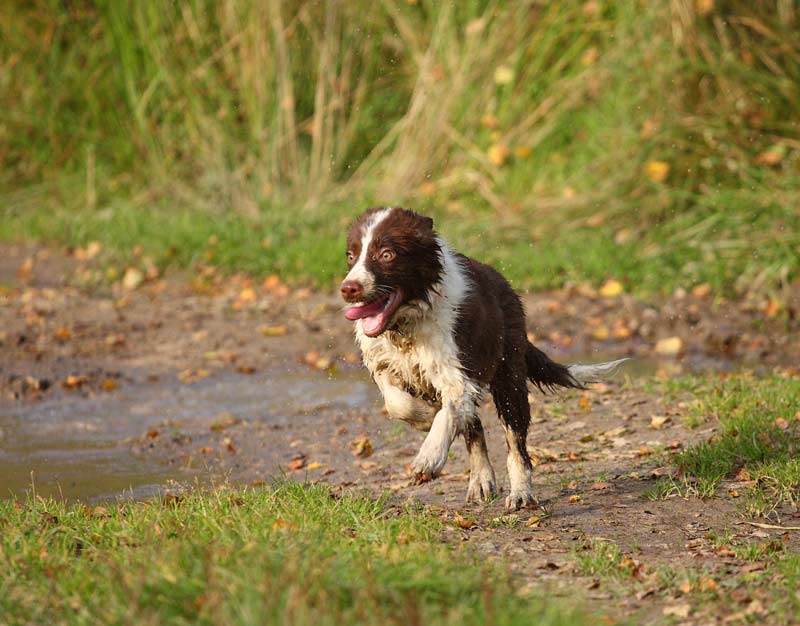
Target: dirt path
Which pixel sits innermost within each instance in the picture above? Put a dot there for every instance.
(208, 376)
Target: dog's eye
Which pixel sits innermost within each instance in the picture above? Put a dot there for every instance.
(387, 255)
(350, 256)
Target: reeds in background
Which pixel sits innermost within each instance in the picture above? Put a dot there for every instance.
(670, 124)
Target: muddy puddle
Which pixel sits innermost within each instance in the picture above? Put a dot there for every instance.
(84, 447)
(88, 448)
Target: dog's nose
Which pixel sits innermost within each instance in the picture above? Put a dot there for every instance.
(351, 290)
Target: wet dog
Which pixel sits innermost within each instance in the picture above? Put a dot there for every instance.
(436, 330)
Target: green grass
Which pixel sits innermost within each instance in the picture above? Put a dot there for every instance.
(525, 128)
(756, 430)
(290, 554)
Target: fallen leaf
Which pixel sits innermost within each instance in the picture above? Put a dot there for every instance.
(585, 403)
(725, 551)
(75, 381)
(677, 610)
(314, 465)
(362, 447)
(503, 75)
(772, 307)
(273, 331)
(611, 288)
(772, 156)
(670, 346)
(132, 279)
(658, 421)
(782, 423)
(299, 462)
(464, 522)
(533, 521)
(247, 295)
(109, 384)
(574, 498)
(62, 334)
(245, 369)
(704, 7)
(701, 291)
(189, 376)
(657, 171)
(282, 524)
(497, 154)
(601, 332)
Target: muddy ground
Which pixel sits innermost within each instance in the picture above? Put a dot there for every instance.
(148, 383)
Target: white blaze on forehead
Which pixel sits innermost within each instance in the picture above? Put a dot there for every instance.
(359, 271)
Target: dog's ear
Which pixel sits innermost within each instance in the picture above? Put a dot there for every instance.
(427, 222)
(423, 223)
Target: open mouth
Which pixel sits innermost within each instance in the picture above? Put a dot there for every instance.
(375, 314)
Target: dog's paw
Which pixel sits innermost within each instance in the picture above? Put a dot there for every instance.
(418, 478)
(429, 462)
(482, 486)
(520, 499)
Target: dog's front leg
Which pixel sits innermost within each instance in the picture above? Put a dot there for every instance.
(449, 422)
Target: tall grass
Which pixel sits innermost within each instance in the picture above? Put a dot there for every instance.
(530, 116)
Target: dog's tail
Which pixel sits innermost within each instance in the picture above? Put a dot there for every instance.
(547, 374)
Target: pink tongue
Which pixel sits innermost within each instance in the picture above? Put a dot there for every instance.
(366, 310)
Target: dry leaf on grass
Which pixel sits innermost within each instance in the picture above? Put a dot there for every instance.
(362, 447)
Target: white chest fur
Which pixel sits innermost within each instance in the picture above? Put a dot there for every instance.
(423, 356)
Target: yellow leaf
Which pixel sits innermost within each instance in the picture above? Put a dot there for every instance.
(273, 331)
(247, 294)
(657, 171)
(497, 154)
(669, 346)
(132, 279)
(362, 447)
(658, 421)
(611, 288)
(503, 75)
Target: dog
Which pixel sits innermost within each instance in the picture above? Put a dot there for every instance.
(437, 330)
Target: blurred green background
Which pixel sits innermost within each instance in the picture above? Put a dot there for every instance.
(654, 142)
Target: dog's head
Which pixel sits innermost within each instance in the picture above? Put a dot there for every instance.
(394, 258)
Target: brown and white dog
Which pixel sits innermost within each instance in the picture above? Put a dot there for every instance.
(436, 330)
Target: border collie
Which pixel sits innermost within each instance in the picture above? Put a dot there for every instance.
(436, 330)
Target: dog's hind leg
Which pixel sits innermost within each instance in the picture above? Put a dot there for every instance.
(482, 484)
(510, 394)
